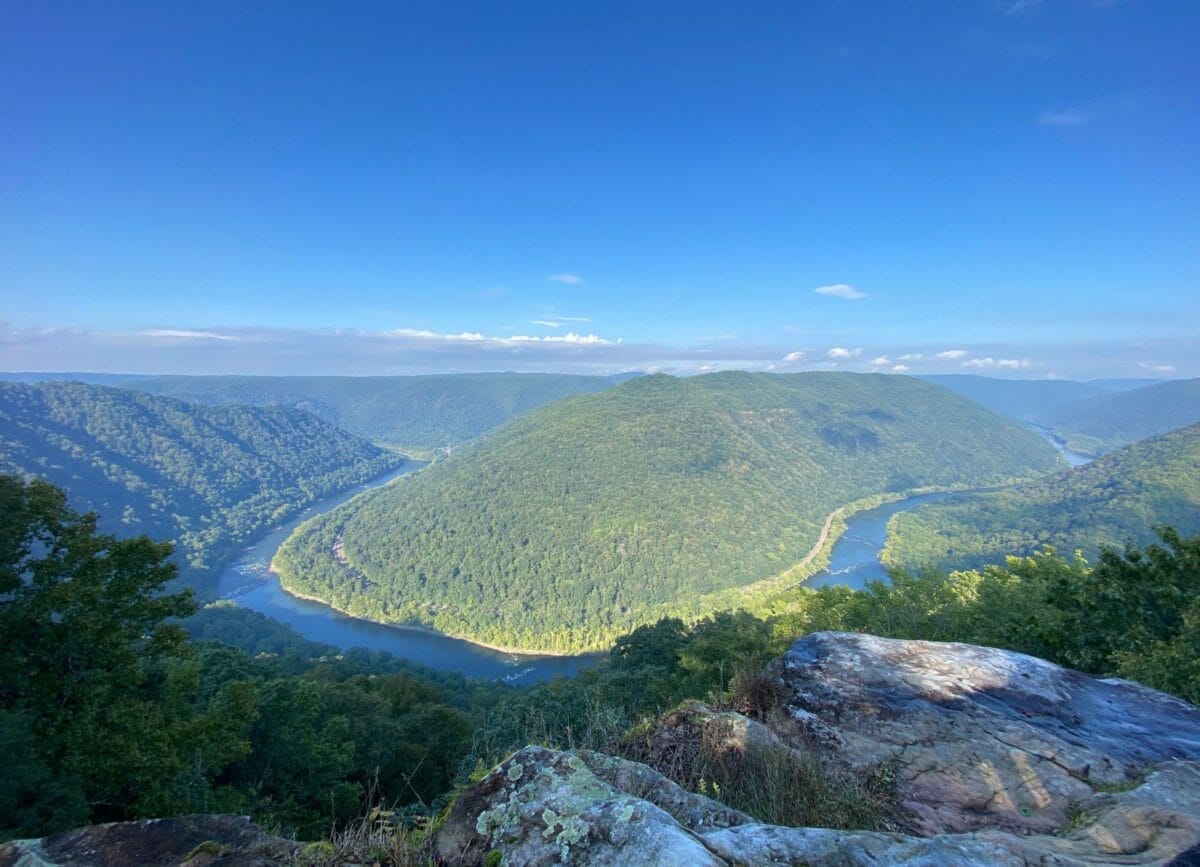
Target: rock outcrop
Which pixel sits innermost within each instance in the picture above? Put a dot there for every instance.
(997, 757)
(188, 841)
(980, 738)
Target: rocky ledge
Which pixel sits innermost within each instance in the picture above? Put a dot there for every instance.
(187, 841)
(995, 757)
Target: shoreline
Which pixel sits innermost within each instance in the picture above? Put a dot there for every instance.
(426, 630)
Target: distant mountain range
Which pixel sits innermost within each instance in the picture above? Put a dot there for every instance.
(1099, 424)
(209, 478)
(415, 413)
(1030, 399)
(584, 518)
(1116, 499)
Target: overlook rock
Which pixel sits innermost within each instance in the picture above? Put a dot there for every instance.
(186, 841)
(997, 757)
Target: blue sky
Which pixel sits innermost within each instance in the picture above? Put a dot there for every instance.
(1007, 187)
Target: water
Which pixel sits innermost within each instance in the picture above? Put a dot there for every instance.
(247, 582)
(1074, 459)
(854, 560)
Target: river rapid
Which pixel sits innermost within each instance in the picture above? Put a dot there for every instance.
(854, 562)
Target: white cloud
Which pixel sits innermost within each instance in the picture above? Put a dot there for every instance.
(838, 352)
(1155, 367)
(476, 337)
(900, 368)
(573, 318)
(1065, 117)
(569, 337)
(880, 361)
(546, 322)
(952, 354)
(183, 334)
(569, 279)
(840, 290)
(793, 357)
(912, 356)
(1000, 363)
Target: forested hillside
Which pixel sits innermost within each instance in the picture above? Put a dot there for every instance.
(1020, 399)
(208, 477)
(411, 412)
(601, 512)
(1115, 499)
(1100, 424)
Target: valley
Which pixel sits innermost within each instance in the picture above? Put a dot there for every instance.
(841, 465)
(659, 497)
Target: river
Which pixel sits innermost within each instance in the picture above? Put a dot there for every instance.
(854, 561)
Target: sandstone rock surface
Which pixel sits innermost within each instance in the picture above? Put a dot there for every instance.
(187, 841)
(980, 737)
(999, 758)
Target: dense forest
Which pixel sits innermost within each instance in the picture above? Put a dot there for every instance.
(415, 413)
(210, 478)
(1113, 500)
(110, 711)
(583, 519)
(1100, 424)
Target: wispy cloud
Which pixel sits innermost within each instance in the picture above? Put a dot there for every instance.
(569, 279)
(1066, 117)
(998, 363)
(546, 322)
(838, 353)
(1086, 112)
(573, 318)
(901, 368)
(793, 357)
(840, 290)
(881, 361)
(1157, 367)
(912, 356)
(476, 337)
(1020, 7)
(951, 354)
(184, 334)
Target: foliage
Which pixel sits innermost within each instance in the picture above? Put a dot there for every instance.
(209, 478)
(410, 412)
(83, 653)
(114, 715)
(1111, 501)
(1100, 424)
(659, 497)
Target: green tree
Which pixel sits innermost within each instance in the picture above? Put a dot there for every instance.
(84, 656)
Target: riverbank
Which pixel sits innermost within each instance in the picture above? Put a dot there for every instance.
(423, 630)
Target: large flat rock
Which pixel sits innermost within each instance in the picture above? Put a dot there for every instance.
(980, 737)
